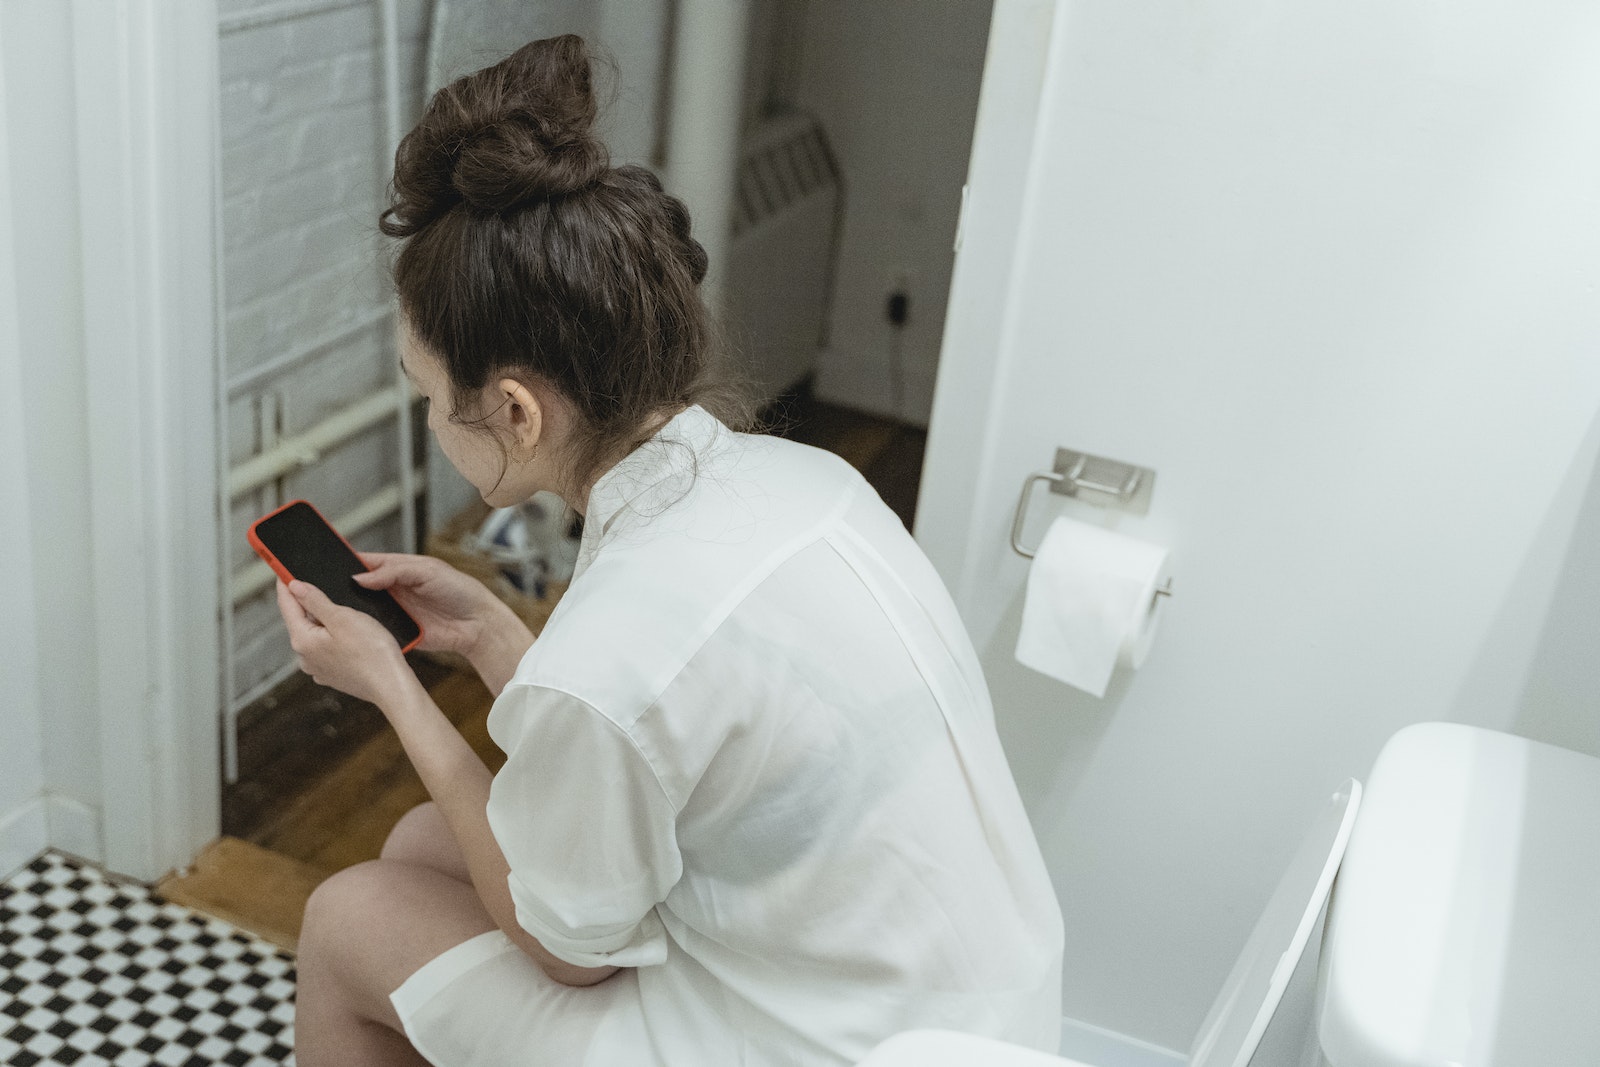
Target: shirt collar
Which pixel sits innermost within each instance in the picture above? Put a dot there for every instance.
(647, 480)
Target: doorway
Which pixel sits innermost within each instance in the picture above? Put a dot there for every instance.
(860, 117)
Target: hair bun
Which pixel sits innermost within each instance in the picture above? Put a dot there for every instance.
(531, 137)
(518, 132)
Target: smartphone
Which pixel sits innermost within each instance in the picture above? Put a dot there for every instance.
(297, 542)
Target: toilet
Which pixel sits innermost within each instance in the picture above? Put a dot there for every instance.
(1464, 930)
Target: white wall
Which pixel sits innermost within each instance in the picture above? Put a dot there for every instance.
(895, 85)
(23, 830)
(1332, 270)
(305, 166)
(53, 431)
(109, 677)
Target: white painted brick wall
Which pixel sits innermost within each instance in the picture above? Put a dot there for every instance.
(304, 168)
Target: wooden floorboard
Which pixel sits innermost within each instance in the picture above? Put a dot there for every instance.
(295, 736)
(344, 817)
(261, 891)
(340, 820)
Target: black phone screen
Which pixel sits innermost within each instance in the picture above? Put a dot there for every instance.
(310, 550)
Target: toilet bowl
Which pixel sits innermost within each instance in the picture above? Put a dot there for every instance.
(1464, 930)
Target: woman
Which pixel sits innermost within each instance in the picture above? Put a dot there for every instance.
(754, 809)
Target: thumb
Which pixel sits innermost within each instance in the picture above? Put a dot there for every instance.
(378, 579)
(313, 600)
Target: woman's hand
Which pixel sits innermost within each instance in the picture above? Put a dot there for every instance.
(452, 607)
(457, 612)
(341, 647)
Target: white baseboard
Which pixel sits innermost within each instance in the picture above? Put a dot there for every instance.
(74, 827)
(24, 833)
(48, 821)
(1092, 1045)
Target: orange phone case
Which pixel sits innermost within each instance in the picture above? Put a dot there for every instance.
(283, 572)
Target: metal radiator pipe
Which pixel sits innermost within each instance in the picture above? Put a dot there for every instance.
(710, 40)
(267, 14)
(390, 22)
(305, 449)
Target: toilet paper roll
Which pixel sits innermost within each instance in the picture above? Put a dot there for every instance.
(1091, 604)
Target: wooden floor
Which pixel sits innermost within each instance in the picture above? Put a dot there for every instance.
(339, 819)
(323, 779)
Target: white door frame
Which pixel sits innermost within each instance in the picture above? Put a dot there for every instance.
(147, 94)
(963, 423)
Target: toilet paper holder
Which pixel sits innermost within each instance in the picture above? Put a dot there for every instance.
(1096, 480)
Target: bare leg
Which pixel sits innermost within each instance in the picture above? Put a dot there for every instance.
(423, 838)
(367, 929)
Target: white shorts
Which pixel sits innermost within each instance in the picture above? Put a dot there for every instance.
(485, 1003)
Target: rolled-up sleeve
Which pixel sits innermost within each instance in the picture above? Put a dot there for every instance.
(586, 827)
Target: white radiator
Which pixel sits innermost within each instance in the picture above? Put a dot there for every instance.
(787, 209)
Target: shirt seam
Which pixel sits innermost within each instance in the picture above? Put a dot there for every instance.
(850, 552)
(719, 616)
(633, 742)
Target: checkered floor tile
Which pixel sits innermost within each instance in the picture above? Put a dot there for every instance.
(95, 972)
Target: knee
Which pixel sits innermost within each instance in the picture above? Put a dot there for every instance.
(337, 906)
(411, 834)
(342, 960)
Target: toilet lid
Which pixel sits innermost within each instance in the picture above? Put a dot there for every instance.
(1466, 929)
(1239, 1015)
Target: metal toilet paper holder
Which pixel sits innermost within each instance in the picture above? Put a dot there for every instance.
(1107, 483)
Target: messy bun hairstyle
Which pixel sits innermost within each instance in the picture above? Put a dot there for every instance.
(527, 254)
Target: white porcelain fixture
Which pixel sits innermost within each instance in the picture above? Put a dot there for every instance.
(1465, 931)
(1466, 926)
(1239, 1015)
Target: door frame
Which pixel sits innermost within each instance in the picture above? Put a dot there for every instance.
(973, 354)
(147, 104)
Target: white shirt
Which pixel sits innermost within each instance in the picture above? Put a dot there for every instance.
(752, 755)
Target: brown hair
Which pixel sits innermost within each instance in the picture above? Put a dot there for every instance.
(527, 254)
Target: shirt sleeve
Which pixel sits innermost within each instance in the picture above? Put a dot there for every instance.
(588, 830)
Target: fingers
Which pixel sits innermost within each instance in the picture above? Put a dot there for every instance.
(384, 569)
(393, 568)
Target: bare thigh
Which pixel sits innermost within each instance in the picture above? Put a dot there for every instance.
(422, 837)
(370, 927)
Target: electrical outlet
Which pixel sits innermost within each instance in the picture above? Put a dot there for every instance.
(898, 307)
(899, 290)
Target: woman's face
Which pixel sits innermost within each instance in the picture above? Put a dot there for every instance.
(468, 439)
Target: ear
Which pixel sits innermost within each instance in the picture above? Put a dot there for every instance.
(523, 412)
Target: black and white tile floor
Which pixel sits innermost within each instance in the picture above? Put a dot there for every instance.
(95, 972)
